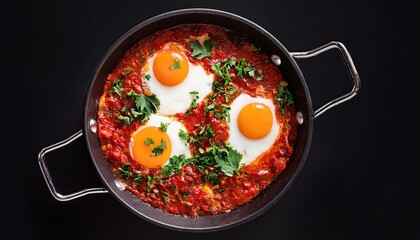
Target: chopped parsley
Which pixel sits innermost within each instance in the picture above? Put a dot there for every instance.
(212, 177)
(223, 158)
(149, 141)
(164, 126)
(284, 97)
(158, 150)
(127, 71)
(138, 177)
(193, 104)
(144, 106)
(124, 171)
(165, 196)
(150, 181)
(147, 77)
(126, 119)
(230, 164)
(206, 132)
(117, 87)
(176, 65)
(222, 71)
(201, 51)
(175, 163)
(244, 68)
(256, 46)
(260, 75)
(184, 136)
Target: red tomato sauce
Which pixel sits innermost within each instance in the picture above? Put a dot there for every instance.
(188, 193)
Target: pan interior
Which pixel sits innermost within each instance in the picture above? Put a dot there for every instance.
(290, 71)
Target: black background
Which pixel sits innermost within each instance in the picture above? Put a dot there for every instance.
(361, 179)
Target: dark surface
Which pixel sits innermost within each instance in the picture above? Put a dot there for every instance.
(361, 178)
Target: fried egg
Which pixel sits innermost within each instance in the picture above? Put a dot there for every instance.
(174, 80)
(152, 147)
(253, 126)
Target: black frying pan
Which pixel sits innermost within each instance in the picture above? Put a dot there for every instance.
(280, 56)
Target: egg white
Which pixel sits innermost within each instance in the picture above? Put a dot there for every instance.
(250, 149)
(178, 145)
(177, 99)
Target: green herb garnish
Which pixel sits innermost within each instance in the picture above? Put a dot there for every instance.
(147, 77)
(230, 164)
(124, 171)
(117, 87)
(176, 65)
(222, 71)
(260, 75)
(175, 163)
(149, 141)
(144, 105)
(127, 71)
(126, 119)
(193, 104)
(158, 150)
(184, 136)
(256, 46)
(138, 177)
(244, 68)
(164, 126)
(212, 177)
(150, 181)
(284, 97)
(165, 196)
(201, 51)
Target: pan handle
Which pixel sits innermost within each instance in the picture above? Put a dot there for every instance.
(47, 176)
(351, 68)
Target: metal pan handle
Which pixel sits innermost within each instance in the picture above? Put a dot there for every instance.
(47, 176)
(351, 68)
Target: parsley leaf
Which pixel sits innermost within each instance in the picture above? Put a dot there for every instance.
(175, 163)
(206, 132)
(149, 141)
(176, 65)
(184, 136)
(222, 111)
(193, 104)
(223, 71)
(244, 68)
(147, 77)
(116, 87)
(144, 105)
(165, 196)
(124, 172)
(127, 71)
(256, 46)
(260, 75)
(150, 181)
(127, 119)
(164, 126)
(200, 51)
(230, 164)
(158, 150)
(212, 177)
(137, 178)
(284, 97)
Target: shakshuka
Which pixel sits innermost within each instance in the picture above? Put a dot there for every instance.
(196, 120)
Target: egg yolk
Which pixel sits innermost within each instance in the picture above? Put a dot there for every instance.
(151, 147)
(170, 67)
(255, 120)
